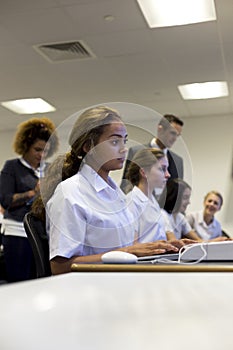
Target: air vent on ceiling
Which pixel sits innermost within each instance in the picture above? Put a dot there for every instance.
(65, 51)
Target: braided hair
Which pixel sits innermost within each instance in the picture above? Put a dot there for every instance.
(86, 131)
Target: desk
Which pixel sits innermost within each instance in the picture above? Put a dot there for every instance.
(118, 311)
(202, 267)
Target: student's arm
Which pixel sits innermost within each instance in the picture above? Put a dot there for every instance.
(61, 265)
(170, 236)
(188, 230)
(179, 243)
(193, 235)
(220, 239)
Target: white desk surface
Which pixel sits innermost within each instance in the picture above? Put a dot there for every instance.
(118, 311)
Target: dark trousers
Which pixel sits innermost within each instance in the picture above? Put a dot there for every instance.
(19, 259)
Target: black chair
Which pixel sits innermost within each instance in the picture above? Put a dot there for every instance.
(225, 234)
(38, 239)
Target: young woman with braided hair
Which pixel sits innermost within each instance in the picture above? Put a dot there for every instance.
(86, 212)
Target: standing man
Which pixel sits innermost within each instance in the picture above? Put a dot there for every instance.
(169, 128)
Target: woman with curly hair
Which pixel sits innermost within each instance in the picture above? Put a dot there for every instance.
(19, 185)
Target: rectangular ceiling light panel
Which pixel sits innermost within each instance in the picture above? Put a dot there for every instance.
(166, 13)
(197, 91)
(28, 106)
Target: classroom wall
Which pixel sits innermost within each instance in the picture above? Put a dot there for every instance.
(206, 146)
(209, 141)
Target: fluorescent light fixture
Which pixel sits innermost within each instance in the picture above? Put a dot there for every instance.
(166, 13)
(29, 106)
(199, 91)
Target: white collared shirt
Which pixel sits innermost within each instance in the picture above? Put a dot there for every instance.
(86, 216)
(149, 222)
(39, 172)
(179, 224)
(203, 230)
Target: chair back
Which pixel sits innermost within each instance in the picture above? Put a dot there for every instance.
(224, 234)
(38, 239)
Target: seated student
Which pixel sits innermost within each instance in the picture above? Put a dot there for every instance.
(169, 129)
(149, 171)
(174, 200)
(204, 222)
(87, 214)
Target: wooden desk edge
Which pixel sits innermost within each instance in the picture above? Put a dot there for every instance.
(149, 268)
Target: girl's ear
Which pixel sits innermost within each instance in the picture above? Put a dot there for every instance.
(142, 173)
(87, 146)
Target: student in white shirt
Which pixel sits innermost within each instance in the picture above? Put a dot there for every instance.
(87, 214)
(149, 171)
(169, 129)
(174, 201)
(204, 222)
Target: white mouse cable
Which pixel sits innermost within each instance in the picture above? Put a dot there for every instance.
(181, 252)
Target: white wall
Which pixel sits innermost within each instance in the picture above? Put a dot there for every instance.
(209, 141)
(6, 151)
(206, 146)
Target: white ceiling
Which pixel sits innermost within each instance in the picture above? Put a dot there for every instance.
(133, 63)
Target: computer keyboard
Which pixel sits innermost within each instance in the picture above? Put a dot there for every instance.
(208, 251)
(171, 256)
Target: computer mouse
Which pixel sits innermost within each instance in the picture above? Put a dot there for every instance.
(118, 257)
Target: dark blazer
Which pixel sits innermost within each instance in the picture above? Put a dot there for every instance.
(176, 166)
(15, 178)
